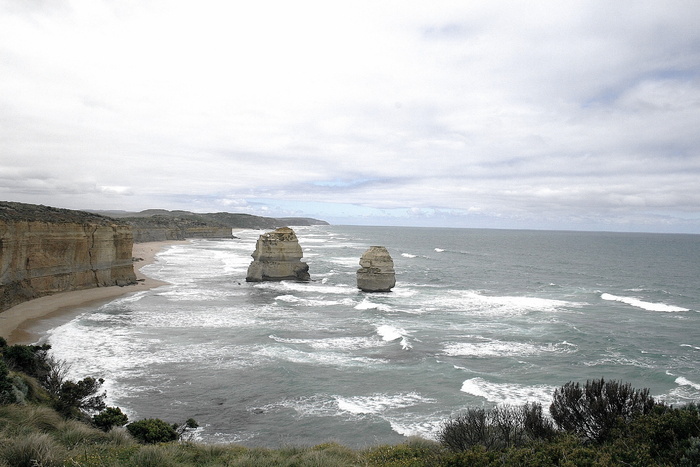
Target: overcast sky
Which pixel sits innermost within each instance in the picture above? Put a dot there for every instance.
(553, 114)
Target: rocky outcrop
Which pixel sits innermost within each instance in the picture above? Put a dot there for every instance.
(377, 271)
(277, 257)
(45, 250)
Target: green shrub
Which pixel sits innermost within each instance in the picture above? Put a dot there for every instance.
(152, 430)
(74, 398)
(501, 427)
(691, 455)
(594, 410)
(562, 450)
(7, 389)
(536, 424)
(109, 418)
(667, 432)
(468, 429)
(29, 359)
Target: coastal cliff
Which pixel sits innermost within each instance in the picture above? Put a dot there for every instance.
(45, 250)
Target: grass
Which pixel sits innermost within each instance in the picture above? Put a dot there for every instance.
(37, 436)
(32, 450)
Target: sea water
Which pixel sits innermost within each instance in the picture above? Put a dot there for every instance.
(477, 318)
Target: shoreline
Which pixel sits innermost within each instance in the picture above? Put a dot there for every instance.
(28, 322)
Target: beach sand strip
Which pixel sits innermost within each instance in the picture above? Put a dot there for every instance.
(27, 322)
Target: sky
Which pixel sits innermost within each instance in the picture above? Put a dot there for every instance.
(575, 115)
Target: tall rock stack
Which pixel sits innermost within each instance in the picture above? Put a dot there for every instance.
(377, 271)
(277, 257)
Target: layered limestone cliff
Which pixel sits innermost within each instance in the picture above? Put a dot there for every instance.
(277, 257)
(377, 272)
(46, 250)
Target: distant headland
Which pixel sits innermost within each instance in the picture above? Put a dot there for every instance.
(154, 225)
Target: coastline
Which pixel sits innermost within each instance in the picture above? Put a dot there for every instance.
(27, 322)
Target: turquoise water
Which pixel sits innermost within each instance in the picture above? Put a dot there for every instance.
(478, 318)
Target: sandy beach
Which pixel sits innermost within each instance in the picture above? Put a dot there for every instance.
(27, 322)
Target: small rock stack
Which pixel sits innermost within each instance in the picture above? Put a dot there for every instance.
(277, 257)
(377, 271)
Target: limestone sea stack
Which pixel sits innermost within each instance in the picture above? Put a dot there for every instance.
(377, 271)
(277, 257)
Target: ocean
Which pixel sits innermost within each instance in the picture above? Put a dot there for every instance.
(477, 318)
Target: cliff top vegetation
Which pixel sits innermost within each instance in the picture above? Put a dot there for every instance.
(158, 217)
(21, 212)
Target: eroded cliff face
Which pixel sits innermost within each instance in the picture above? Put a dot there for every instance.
(48, 250)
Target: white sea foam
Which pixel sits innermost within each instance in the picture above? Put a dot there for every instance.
(505, 393)
(306, 287)
(439, 250)
(476, 303)
(411, 425)
(642, 304)
(352, 407)
(390, 333)
(277, 353)
(333, 343)
(353, 262)
(379, 403)
(497, 348)
(198, 294)
(687, 391)
(617, 359)
(408, 255)
(691, 346)
(133, 298)
(366, 304)
(402, 291)
(293, 299)
(681, 381)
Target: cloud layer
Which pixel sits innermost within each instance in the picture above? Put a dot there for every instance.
(579, 115)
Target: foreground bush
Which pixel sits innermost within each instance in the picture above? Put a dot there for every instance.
(594, 410)
(109, 418)
(497, 428)
(152, 430)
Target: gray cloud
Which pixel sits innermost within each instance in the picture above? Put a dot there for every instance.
(538, 115)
